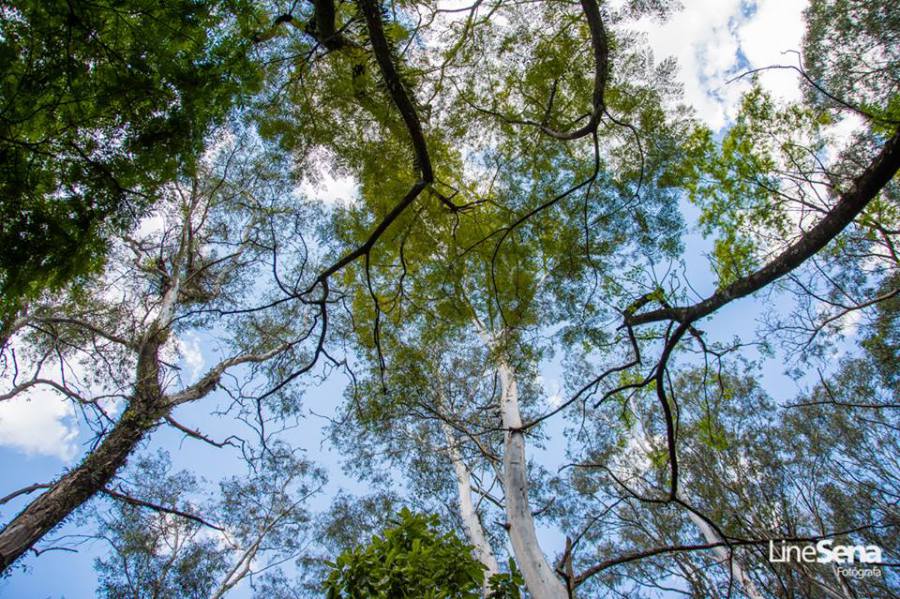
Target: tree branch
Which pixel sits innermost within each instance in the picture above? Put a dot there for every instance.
(156, 507)
(865, 187)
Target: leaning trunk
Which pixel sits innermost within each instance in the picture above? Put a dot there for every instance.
(709, 533)
(540, 579)
(67, 494)
(11, 322)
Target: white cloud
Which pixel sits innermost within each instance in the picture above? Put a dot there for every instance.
(331, 190)
(770, 37)
(842, 131)
(151, 225)
(192, 355)
(703, 40)
(42, 423)
(188, 353)
(708, 38)
(40, 420)
(552, 390)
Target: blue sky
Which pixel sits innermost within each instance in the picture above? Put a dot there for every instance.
(712, 39)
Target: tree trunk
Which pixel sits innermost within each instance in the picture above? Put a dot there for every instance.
(722, 553)
(708, 532)
(145, 410)
(540, 579)
(471, 522)
(9, 324)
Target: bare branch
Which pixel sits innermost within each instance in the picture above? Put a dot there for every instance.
(156, 507)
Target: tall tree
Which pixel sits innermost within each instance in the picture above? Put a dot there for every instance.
(524, 173)
(207, 547)
(122, 327)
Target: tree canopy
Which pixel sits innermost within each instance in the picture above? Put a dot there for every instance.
(531, 198)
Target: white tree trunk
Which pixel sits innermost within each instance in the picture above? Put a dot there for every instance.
(737, 569)
(541, 581)
(471, 522)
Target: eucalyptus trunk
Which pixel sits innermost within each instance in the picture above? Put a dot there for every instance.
(540, 579)
(467, 511)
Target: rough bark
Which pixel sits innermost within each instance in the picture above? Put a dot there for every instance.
(401, 96)
(145, 410)
(147, 406)
(9, 325)
(324, 21)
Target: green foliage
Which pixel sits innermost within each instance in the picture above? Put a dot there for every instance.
(887, 117)
(737, 181)
(411, 559)
(100, 103)
(506, 585)
(262, 515)
(882, 336)
(153, 554)
(851, 50)
(711, 433)
(733, 257)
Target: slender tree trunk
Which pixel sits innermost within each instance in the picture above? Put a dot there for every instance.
(6, 325)
(737, 568)
(471, 522)
(240, 569)
(145, 410)
(845, 587)
(540, 579)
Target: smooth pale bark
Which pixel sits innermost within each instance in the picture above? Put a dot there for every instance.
(845, 588)
(722, 554)
(540, 578)
(467, 511)
(240, 569)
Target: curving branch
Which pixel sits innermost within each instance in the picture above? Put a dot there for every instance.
(404, 103)
(396, 88)
(864, 189)
(211, 379)
(652, 552)
(196, 434)
(321, 27)
(600, 50)
(23, 491)
(20, 388)
(91, 328)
